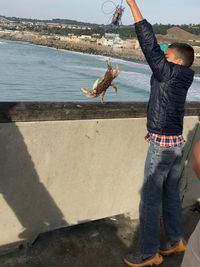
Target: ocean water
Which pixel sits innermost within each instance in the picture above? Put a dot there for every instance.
(37, 73)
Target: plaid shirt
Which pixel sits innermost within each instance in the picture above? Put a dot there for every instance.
(165, 140)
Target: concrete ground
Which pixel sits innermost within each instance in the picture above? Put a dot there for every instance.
(101, 243)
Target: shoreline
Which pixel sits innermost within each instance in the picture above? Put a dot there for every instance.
(130, 55)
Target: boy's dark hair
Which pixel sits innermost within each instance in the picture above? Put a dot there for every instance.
(185, 52)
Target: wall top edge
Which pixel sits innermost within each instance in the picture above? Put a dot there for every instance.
(55, 111)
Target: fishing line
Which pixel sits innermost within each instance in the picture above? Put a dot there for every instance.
(117, 12)
(103, 7)
(115, 19)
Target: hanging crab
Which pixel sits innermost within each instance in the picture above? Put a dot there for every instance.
(101, 85)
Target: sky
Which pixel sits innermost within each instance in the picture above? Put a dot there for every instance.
(156, 11)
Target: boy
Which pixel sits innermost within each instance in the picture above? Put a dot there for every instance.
(170, 82)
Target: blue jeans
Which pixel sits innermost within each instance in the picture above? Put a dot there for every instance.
(160, 188)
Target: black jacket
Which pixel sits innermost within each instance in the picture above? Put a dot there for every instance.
(169, 85)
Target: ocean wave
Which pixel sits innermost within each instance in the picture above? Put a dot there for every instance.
(111, 58)
(99, 70)
(86, 68)
(196, 78)
(193, 96)
(133, 72)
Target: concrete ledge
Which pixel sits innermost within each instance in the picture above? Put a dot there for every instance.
(67, 163)
(44, 111)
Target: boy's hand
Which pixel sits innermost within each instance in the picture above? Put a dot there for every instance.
(130, 2)
(135, 10)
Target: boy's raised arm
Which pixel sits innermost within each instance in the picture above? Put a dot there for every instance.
(135, 10)
(149, 45)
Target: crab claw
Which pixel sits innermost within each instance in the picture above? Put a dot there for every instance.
(87, 92)
(116, 71)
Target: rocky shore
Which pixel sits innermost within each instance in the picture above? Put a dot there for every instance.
(83, 47)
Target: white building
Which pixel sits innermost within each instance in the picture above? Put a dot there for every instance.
(85, 38)
(196, 52)
(197, 55)
(111, 40)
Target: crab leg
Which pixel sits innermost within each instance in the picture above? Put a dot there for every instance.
(101, 96)
(109, 64)
(114, 87)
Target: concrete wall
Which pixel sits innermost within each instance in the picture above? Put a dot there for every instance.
(58, 173)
